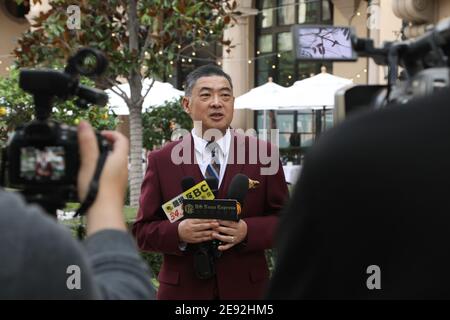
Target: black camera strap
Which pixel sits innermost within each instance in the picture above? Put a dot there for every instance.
(93, 186)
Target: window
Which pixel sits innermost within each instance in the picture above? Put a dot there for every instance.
(265, 19)
(275, 58)
(265, 43)
(286, 12)
(309, 12)
(274, 47)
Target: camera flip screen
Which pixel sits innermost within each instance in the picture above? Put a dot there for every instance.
(323, 43)
(46, 164)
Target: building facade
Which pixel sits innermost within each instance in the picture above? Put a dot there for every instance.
(263, 47)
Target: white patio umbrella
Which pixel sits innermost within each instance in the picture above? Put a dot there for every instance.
(158, 95)
(268, 96)
(314, 92)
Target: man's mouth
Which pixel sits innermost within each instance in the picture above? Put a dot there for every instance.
(216, 116)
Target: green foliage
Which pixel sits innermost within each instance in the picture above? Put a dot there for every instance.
(159, 123)
(140, 38)
(161, 31)
(17, 107)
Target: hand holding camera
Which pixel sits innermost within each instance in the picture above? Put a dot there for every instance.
(106, 211)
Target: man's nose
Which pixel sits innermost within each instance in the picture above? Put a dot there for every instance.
(216, 101)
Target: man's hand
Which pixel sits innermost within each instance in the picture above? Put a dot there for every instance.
(106, 211)
(230, 233)
(196, 230)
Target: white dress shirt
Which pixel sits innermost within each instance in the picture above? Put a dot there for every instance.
(203, 156)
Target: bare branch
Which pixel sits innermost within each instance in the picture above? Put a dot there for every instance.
(146, 45)
(141, 100)
(117, 90)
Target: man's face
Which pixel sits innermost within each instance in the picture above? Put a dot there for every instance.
(211, 102)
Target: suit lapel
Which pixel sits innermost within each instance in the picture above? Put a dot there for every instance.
(233, 167)
(191, 169)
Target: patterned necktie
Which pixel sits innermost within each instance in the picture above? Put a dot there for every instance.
(213, 169)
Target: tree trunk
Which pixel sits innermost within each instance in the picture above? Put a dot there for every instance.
(136, 174)
(135, 109)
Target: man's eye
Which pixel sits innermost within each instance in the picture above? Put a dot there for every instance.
(205, 95)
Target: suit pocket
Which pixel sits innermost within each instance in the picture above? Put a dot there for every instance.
(169, 277)
(257, 275)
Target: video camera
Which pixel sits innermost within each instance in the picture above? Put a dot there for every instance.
(424, 62)
(41, 157)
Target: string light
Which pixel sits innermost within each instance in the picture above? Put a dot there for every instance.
(160, 53)
(179, 47)
(183, 60)
(211, 32)
(249, 61)
(170, 76)
(274, 66)
(189, 60)
(365, 70)
(279, 55)
(193, 54)
(171, 62)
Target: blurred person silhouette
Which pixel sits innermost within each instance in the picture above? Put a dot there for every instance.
(40, 259)
(370, 215)
(44, 167)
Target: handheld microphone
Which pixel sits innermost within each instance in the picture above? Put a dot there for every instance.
(187, 183)
(213, 184)
(174, 207)
(238, 190)
(221, 209)
(203, 260)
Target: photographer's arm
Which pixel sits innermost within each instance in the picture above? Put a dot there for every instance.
(106, 211)
(119, 272)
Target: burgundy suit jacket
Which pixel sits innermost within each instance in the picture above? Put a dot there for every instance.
(241, 272)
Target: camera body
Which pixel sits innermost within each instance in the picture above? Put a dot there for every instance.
(41, 158)
(424, 64)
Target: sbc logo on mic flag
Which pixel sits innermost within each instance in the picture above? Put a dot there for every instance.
(174, 207)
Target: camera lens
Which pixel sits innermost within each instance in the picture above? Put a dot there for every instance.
(87, 62)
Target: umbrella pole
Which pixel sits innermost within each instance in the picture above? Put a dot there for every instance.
(324, 127)
(265, 124)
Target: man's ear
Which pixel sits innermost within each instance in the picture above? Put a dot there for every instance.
(186, 105)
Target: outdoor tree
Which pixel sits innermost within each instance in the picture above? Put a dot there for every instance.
(161, 123)
(140, 38)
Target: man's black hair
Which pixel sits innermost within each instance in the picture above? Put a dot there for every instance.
(204, 71)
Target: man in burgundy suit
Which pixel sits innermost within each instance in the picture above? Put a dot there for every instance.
(241, 271)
